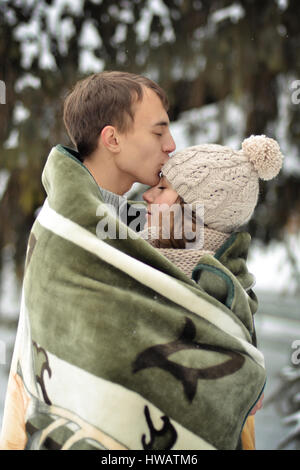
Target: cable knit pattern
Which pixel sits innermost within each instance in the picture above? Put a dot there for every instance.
(224, 181)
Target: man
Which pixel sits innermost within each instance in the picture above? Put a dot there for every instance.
(120, 126)
(102, 316)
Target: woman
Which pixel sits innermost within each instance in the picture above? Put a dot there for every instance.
(224, 184)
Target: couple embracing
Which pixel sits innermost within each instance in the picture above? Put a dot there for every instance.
(142, 342)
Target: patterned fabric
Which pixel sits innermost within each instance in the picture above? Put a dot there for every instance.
(116, 347)
(186, 260)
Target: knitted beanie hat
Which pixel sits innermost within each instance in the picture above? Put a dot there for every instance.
(224, 181)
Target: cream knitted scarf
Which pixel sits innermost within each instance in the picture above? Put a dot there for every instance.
(186, 259)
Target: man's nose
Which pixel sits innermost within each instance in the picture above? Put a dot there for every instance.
(169, 146)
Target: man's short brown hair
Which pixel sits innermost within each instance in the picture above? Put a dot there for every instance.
(102, 99)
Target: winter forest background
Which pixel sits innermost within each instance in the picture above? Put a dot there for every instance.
(230, 69)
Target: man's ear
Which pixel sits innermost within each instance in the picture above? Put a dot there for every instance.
(109, 139)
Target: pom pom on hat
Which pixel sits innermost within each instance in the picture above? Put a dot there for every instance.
(264, 153)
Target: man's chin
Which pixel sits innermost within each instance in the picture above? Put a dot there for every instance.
(152, 181)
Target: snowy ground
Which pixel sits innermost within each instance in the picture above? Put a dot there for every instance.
(278, 326)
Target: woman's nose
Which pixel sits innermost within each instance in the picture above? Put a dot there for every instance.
(147, 197)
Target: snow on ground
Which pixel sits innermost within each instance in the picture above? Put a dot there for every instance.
(271, 267)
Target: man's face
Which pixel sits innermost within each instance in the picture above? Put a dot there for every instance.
(146, 146)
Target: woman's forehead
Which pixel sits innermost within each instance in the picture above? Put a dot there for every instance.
(164, 180)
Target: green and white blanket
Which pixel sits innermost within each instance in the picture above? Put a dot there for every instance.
(116, 347)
